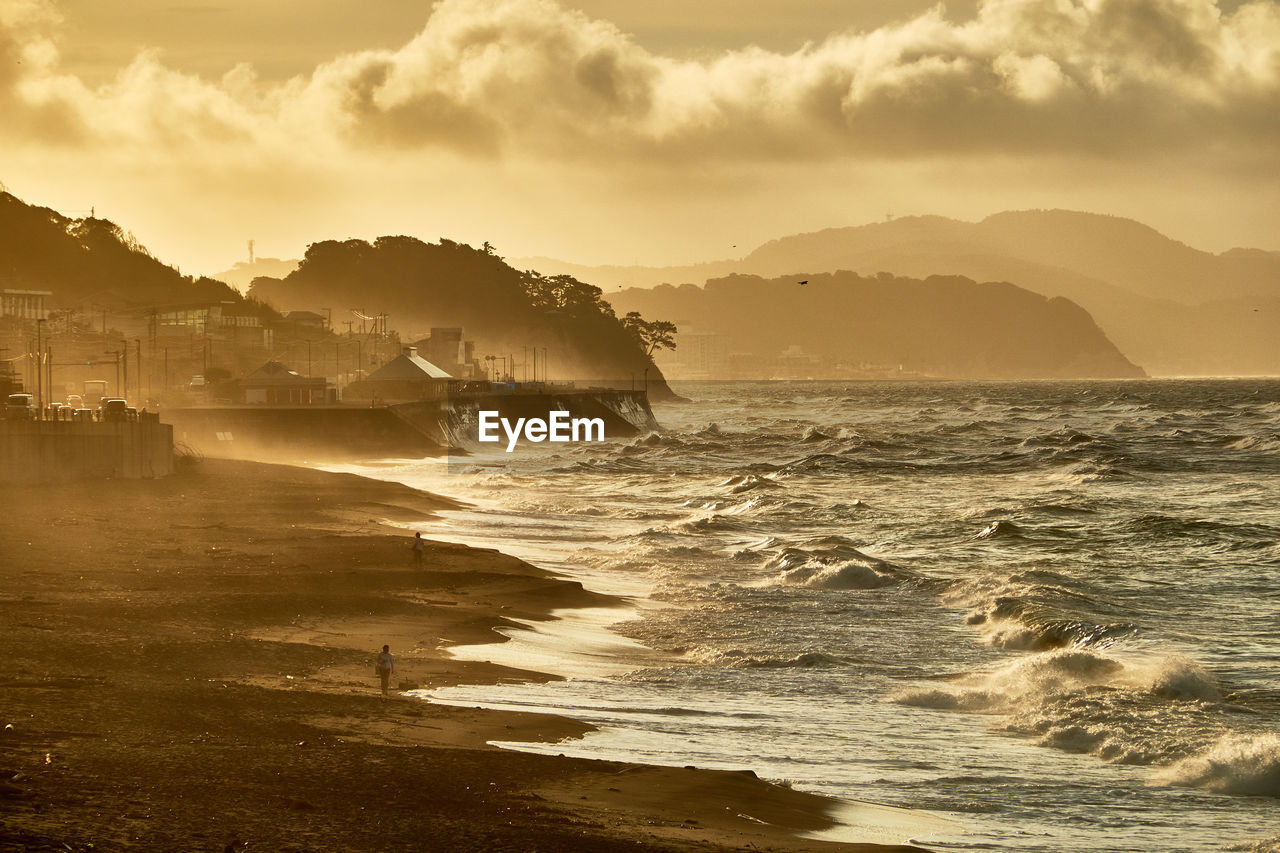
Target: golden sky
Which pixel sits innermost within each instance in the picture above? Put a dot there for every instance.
(651, 132)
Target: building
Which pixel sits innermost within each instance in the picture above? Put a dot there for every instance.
(24, 304)
(236, 322)
(274, 384)
(408, 376)
(697, 355)
(307, 321)
(446, 348)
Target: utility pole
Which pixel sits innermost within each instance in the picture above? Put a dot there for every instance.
(40, 367)
(125, 375)
(137, 344)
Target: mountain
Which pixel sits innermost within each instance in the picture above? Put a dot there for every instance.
(422, 285)
(242, 274)
(1172, 308)
(90, 262)
(946, 326)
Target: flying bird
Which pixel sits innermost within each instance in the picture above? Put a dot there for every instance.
(803, 283)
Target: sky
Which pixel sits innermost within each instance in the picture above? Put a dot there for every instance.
(607, 131)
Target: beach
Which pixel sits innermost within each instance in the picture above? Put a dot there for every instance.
(188, 665)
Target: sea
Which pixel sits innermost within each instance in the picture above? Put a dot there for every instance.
(1037, 616)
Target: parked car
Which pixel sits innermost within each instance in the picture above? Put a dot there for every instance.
(113, 409)
(82, 415)
(75, 401)
(18, 407)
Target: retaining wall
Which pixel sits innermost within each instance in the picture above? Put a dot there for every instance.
(46, 451)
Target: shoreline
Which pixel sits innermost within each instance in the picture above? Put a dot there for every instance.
(200, 647)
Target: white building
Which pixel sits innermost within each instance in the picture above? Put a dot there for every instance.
(26, 304)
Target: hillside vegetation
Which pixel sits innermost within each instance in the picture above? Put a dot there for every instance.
(421, 285)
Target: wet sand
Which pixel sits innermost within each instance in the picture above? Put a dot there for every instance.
(187, 664)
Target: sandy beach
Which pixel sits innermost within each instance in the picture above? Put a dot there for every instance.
(188, 665)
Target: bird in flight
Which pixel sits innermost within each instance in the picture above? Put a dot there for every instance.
(803, 283)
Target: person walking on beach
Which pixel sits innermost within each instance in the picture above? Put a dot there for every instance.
(419, 547)
(386, 666)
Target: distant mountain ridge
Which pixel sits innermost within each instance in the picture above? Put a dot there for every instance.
(1172, 308)
(944, 326)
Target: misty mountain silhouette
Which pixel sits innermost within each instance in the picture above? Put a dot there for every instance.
(942, 326)
(1174, 309)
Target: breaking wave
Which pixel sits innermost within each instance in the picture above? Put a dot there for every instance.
(1235, 764)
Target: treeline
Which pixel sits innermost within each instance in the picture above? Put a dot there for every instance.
(90, 261)
(421, 285)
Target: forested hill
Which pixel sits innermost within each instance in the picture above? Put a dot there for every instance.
(946, 326)
(422, 285)
(90, 262)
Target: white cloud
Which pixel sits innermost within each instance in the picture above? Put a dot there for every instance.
(530, 78)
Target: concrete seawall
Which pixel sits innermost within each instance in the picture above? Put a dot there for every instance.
(50, 451)
(298, 432)
(410, 429)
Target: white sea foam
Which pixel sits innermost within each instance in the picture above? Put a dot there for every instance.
(1235, 764)
(1079, 700)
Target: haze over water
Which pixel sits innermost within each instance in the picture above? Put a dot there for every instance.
(1047, 611)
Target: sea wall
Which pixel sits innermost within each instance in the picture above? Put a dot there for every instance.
(298, 432)
(405, 430)
(51, 451)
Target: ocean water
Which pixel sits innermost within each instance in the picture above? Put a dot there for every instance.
(1047, 614)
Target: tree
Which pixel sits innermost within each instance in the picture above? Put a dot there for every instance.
(651, 335)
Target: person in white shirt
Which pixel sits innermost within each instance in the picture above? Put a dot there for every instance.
(386, 666)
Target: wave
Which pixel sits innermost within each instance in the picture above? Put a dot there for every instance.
(812, 434)
(1264, 845)
(1001, 530)
(749, 482)
(846, 576)
(1146, 711)
(1081, 473)
(741, 660)
(1268, 443)
(1031, 611)
(838, 567)
(1235, 764)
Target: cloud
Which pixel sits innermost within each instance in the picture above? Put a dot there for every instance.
(531, 79)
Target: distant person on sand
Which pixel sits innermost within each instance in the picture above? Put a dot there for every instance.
(386, 666)
(419, 546)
